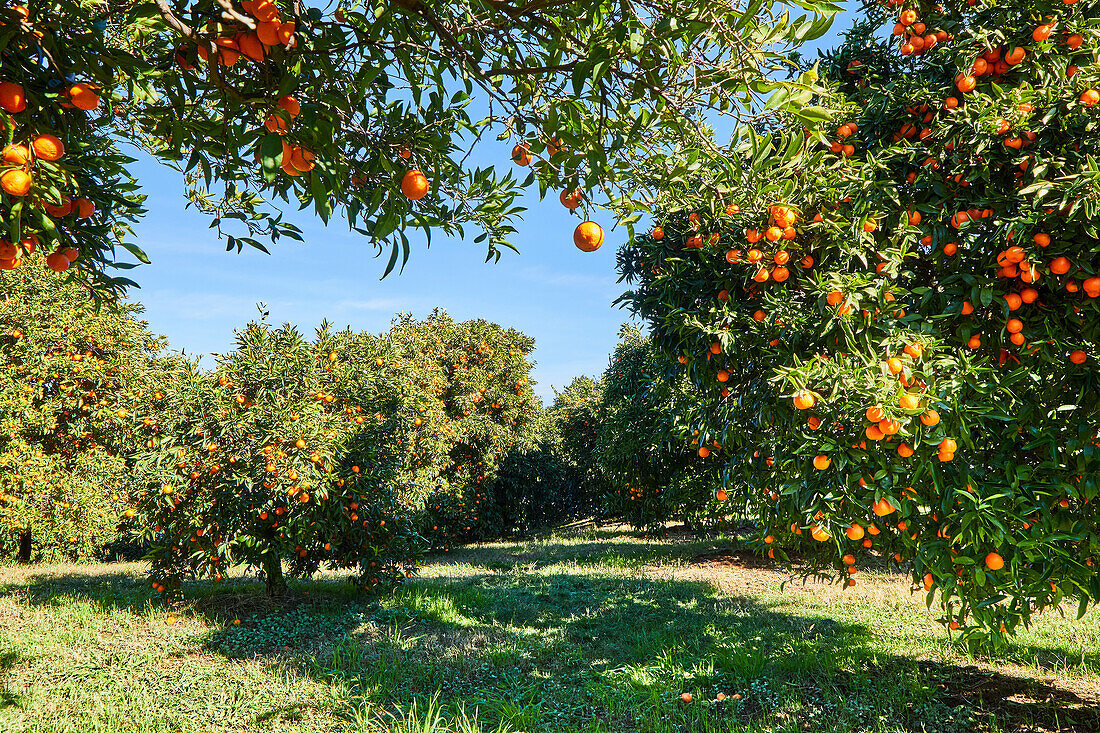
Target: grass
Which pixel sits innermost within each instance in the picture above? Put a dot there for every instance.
(594, 632)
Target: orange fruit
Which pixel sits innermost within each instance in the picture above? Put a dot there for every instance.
(16, 154)
(290, 104)
(83, 96)
(704, 452)
(821, 462)
(1078, 357)
(414, 185)
(931, 418)
(84, 208)
(251, 46)
(993, 561)
(1059, 265)
(909, 401)
(48, 147)
(268, 32)
(12, 97)
(572, 199)
(882, 507)
(521, 154)
(588, 236)
(15, 182)
(804, 399)
(57, 262)
(854, 532)
(58, 210)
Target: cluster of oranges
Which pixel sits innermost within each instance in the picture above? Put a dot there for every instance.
(29, 168)
(916, 37)
(270, 31)
(19, 166)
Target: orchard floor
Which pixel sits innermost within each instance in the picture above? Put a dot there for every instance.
(596, 631)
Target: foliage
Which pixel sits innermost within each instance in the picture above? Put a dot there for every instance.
(330, 107)
(273, 459)
(475, 405)
(575, 415)
(648, 478)
(898, 276)
(71, 375)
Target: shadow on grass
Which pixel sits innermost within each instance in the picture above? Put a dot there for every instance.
(570, 651)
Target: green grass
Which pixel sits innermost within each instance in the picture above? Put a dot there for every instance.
(589, 633)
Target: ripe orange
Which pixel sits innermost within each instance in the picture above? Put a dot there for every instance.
(931, 418)
(12, 97)
(15, 182)
(904, 450)
(572, 199)
(909, 401)
(948, 445)
(290, 104)
(48, 147)
(993, 561)
(1059, 265)
(822, 461)
(588, 236)
(704, 451)
(1090, 97)
(414, 185)
(686, 697)
(882, 507)
(83, 96)
(1078, 357)
(57, 262)
(250, 45)
(521, 154)
(854, 532)
(16, 154)
(84, 208)
(804, 399)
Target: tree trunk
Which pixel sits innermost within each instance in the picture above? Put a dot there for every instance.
(273, 575)
(24, 546)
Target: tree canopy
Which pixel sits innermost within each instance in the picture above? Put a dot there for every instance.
(369, 112)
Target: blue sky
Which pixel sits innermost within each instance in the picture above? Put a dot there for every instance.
(196, 293)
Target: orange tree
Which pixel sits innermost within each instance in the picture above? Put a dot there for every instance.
(272, 460)
(575, 420)
(474, 403)
(648, 477)
(890, 321)
(71, 375)
(363, 111)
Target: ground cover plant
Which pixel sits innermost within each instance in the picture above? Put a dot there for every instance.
(595, 631)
